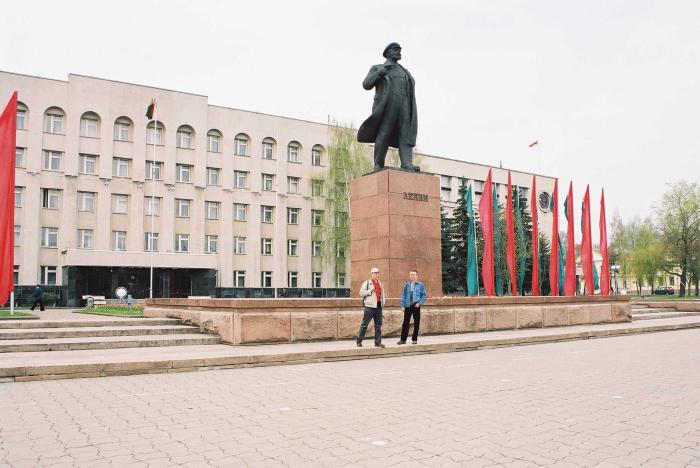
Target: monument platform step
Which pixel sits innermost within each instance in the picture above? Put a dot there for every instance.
(100, 322)
(109, 342)
(659, 315)
(27, 366)
(94, 331)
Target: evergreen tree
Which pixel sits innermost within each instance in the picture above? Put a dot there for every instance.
(450, 280)
(545, 252)
(523, 243)
(459, 236)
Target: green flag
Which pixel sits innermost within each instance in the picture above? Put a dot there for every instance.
(497, 263)
(561, 266)
(520, 243)
(472, 275)
(596, 278)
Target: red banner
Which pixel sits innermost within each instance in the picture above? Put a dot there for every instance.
(604, 267)
(554, 250)
(587, 245)
(570, 275)
(8, 134)
(510, 240)
(486, 215)
(535, 240)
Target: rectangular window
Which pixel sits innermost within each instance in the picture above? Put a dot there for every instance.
(240, 212)
(182, 208)
(239, 245)
(19, 156)
(268, 150)
(183, 172)
(267, 213)
(88, 127)
(150, 242)
(48, 275)
(316, 279)
(84, 238)
(214, 143)
(53, 123)
(120, 167)
(52, 160)
(292, 279)
(87, 164)
(210, 243)
(154, 170)
(86, 201)
(154, 136)
(523, 192)
(211, 209)
(213, 176)
(316, 157)
(268, 182)
(292, 215)
(316, 217)
(18, 196)
(49, 237)
(182, 243)
(120, 204)
(293, 184)
(241, 145)
(18, 235)
(239, 279)
(293, 153)
(151, 206)
(121, 130)
(265, 279)
(340, 282)
(15, 275)
(341, 219)
(266, 246)
(50, 198)
(292, 247)
(240, 179)
(446, 182)
(316, 248)
(21, 119)
(118, 240)
(184, 139)
(339, 251)
(478, 187)
(316, 188)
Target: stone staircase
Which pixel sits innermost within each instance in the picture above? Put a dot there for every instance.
(648, 311)
(17, 336)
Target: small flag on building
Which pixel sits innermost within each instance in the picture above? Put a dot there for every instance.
(533, 144)
(151, 108)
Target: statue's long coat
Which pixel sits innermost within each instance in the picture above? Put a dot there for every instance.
(369, 128)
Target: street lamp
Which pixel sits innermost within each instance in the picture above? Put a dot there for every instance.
(615, 268)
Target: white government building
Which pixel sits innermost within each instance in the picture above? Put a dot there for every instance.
(234, 198)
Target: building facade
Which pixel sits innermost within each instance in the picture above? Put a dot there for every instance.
(213, 198)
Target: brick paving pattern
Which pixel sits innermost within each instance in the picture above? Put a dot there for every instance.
(627, 401)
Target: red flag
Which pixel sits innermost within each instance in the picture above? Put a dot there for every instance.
(486, 215)
(510, 244)
(533, 144)
(570, 275)
(587, 245)
(8, 134)
(604, 267)
(535, 238)
(554, 251)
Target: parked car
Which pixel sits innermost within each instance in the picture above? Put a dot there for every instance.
(663, 290)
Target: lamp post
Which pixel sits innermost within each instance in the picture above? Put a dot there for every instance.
(615, 268)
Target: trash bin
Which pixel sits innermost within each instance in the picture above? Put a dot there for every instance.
(91, 301)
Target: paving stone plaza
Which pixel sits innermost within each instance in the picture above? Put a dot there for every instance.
(623, 401)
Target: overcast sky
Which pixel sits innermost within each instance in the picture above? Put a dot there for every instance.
(609, 88)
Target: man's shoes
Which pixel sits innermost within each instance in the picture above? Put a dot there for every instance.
(411, 167)
(359, 345)
(379, 345)
(377, 168)
(400, 342)
(415, 341)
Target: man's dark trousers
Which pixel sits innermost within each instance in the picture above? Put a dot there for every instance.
(40, 302)
(415, 311)
(371, 314)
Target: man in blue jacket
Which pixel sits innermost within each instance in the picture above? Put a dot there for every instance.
(412, 299)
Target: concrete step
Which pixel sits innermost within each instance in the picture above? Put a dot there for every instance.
(29, 366)
(107, 322)
(95, 331)
(110, 342)
(653, 310)
(662, 315)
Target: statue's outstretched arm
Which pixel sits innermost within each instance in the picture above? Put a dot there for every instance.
(373, 76)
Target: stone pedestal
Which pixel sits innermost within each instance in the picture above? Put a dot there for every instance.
(395, 226)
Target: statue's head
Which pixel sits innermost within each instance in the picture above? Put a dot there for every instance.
(392, 52)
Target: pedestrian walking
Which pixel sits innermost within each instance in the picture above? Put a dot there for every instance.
(373, 297)
(38, 296)
(412, 298)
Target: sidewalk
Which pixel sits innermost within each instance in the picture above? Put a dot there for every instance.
(25, 366)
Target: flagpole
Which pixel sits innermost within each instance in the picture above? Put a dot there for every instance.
(153, 194)
(12, 302)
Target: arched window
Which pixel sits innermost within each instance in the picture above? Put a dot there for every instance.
(214, 141)
(122, 129)
(240, 144)
(317, 155)
(53, 120)
(294, 152)
(269, 145)
(90, 125)
(22, 116)
(155, 134)
(185, 137)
